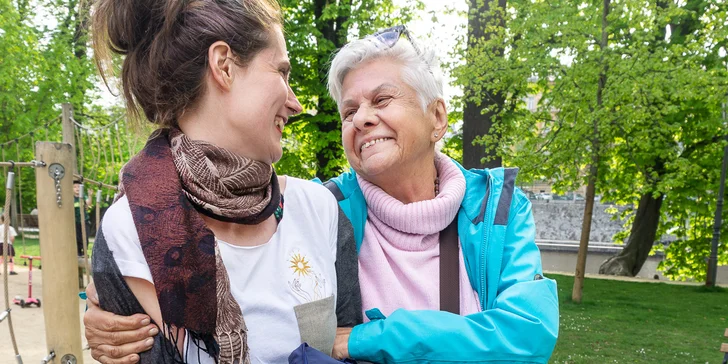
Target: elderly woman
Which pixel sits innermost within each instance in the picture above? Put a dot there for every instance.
(402, 198)
(448, 266)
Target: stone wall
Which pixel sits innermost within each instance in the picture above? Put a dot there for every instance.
(561, 220)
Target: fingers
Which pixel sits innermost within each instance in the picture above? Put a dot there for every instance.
(101, 320)
(134, 358)
(117, 339)
(91, 296)
(126, 353)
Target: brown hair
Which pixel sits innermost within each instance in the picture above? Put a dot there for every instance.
(165, 44)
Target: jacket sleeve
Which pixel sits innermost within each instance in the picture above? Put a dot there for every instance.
(522, 325)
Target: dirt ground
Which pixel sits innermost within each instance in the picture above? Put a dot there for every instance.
(28, 322)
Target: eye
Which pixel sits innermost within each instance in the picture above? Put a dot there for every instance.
(382, 100)
(348, 115)
(285, 72)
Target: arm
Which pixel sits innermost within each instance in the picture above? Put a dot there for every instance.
(113, 338)
(522, 326)
(116, 294)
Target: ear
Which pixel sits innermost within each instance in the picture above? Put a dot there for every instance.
(439, 115)
(221, 64)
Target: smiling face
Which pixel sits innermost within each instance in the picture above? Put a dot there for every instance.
(245, 107)
(261, 101)
(385, 131)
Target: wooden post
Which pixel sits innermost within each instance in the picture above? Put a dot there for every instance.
(69, 137)
(58, 244)
(68, 128)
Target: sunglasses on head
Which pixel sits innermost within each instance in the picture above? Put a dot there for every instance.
(390, 36)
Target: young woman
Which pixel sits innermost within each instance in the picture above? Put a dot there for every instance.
(201, 239)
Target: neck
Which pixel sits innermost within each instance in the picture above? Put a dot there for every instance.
(205, 122)
(413, 183)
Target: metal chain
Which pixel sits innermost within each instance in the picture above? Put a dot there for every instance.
(56, 177)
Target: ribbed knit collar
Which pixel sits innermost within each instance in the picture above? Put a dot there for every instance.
(422, 217)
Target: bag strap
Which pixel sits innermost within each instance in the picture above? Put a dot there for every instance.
(450, 269)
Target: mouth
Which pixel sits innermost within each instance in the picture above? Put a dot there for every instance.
(280, 123)
(370, 143)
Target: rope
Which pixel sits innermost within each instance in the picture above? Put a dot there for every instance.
(45, 126)
(111, 148)
(118, 144)
(80, 178)
(106, 166)
(82, 204)
(6, 240)
(79, 147)
(20, 197)
(2, 154)
(96, 157)
(98, 128)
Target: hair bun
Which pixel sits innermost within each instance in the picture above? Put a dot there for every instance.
(130, 24)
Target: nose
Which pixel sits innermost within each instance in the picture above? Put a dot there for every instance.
(294, 107)
(365, 117)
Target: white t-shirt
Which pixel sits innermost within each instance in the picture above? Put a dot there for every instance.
(295, 266)
(11, 234)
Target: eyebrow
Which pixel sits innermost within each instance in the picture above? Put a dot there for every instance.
(378, 89)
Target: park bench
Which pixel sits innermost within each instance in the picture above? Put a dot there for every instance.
(724, 348)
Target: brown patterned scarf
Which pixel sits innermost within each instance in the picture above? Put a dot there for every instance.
(223, 185)
(166, 184)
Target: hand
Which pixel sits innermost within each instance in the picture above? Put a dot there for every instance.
(113, 338)
(341, 343)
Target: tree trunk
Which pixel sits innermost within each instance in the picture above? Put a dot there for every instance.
(332, 30)
(641, 238)
(578, 287)
(475, 122)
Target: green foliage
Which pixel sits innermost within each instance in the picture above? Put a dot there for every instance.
(314, 30)
(44, 62)
(655, 126)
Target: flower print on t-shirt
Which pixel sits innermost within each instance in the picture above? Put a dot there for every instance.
(305, 281)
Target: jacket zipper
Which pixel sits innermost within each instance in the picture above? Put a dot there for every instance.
(485, 247)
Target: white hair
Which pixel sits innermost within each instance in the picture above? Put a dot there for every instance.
(421, 72)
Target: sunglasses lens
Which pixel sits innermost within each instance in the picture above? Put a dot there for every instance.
(389, 38)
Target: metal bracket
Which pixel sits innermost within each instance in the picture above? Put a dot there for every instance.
(57, 172)
(48, 358)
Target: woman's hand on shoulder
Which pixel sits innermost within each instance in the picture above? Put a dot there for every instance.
(113, 338)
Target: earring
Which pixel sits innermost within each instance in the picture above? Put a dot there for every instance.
(435, 135)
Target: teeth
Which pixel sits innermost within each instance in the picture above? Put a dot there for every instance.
(279, 123)
(375, 141)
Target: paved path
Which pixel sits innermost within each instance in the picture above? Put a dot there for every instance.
(28, 322)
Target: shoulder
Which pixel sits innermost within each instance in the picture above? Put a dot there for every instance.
(309, 190)
(118, 222)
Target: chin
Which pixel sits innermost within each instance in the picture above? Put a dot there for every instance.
(375, 165)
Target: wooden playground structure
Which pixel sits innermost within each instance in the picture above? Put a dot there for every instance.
(56, 169)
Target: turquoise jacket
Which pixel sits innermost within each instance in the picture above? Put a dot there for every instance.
(520, 317)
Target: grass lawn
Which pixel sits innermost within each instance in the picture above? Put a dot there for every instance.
(32, 247)
(632, 322)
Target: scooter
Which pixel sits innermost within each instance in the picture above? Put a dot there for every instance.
(30, 300)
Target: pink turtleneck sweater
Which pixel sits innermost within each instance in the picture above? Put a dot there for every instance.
(400, 255)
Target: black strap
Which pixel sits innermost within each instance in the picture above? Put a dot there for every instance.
(450, 269)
